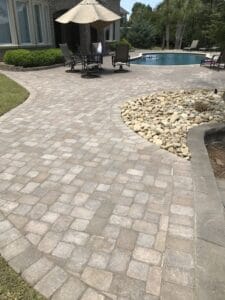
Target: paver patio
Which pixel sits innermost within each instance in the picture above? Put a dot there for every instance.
(89, 210)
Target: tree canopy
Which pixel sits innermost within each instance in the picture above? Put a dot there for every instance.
(175, 23)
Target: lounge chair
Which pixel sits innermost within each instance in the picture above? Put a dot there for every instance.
(69, 58)
(121, 57)
(193, 46)
(216, 61)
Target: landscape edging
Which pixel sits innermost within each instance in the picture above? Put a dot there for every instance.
(209, 221)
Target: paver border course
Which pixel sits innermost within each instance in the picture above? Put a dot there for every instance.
(210, 223)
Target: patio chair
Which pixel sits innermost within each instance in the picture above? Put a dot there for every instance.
(216, 61)
(97, 53)
(91, 64)
(70, 58)
(193, 46)
(219, 62)
(121, 57)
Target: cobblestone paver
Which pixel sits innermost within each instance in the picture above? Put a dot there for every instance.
(89, 210)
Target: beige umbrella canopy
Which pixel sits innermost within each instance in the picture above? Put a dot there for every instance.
(89, 12)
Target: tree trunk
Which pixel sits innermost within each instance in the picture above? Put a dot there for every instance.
(167, 24)
(167, 36)
(179, 35)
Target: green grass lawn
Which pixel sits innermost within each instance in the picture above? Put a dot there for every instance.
(12, 286)
(11, 94)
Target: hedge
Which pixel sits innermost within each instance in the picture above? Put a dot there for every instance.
(33, 58)
(113, 45)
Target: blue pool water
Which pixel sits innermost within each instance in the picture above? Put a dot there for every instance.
(169, 59)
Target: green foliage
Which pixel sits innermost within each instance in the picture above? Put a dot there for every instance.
(33, 58)
(140, 31)
(113, 45)
(142, 34)
(203, 20)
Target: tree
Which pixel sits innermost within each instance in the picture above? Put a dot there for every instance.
(141, 33)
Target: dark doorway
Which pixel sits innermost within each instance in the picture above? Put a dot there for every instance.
(94, 35)
(66, 33)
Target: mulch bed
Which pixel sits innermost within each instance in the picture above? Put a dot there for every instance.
(216, 152)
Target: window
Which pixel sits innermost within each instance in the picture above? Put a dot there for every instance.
(38, 23)
(22, 13)
(5, 35)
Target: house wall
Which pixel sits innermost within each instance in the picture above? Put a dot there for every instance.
(51, 7)
(38, 35)
(114, 5)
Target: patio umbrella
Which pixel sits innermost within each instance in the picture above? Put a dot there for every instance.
(89, 12)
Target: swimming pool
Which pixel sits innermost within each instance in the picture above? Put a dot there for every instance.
(169, 59)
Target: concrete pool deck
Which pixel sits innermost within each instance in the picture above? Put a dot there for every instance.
(89, 210)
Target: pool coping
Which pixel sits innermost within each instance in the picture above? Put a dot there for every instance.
(209, 221)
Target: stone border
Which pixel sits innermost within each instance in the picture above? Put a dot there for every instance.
(6, 67)
(210, 223)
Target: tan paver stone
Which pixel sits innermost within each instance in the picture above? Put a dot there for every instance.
(33, 238)
(82, 213)
(63, 250)
(164, 221)
(79, 224)
(181, 220)
(181, 231)
(138, 270)
(36, 227)
(91, 294)
(119, 260)
(179, 259)
(147, 255)
(127, 239)
(98, 279)
(51, 282)
(121, 221)
(37, 270)
(145, 240)
(15, 248)
(99, 260)
(79, 258)
(49, 242)
(5, 225)
(71, 290)
(182, 210)
(160, 242)
(175, 292)
(153, 285)
(178, 276)
(145, 227)
(76, 237)
(17, 221)
(180, 244)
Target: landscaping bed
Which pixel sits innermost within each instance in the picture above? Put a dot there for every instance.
(165, 118)
(33, 58)
(217, 157)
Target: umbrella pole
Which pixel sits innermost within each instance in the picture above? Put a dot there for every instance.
(85, 38)
(101, 38)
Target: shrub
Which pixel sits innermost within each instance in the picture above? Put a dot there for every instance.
(201, 106)
(113, 45)
(33, 58)
(142, 34)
